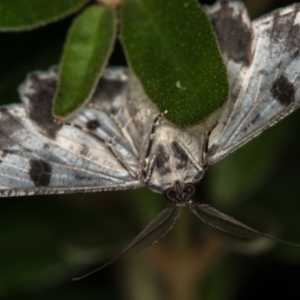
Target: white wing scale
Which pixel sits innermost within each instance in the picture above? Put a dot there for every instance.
(38, 156)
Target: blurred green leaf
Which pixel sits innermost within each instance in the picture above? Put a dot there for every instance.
(252, 186)
(89, 44)
(47, 241)
(221, 281)
(70, 290)
(172, 49)
(17, 15)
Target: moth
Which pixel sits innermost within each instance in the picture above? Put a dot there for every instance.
(121, 141)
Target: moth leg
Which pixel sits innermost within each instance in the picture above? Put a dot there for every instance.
(205, 142)
(194, 162)
(128, 137)
(112, 150)
(147, 173)
(122, 128)
(154, 124)
(146, 161)
(108, 144)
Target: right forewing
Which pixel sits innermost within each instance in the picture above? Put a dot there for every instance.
(39, 156)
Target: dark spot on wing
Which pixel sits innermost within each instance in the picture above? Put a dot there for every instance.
(162, 157)
(9, 151)
(83, 177)
(277, 23)
(4, 153)
(234, 32)
(262, 72)
(283, 90)
(296, 53)
(84, 150)
(40, 103)
(285, 30)
(92, 124)
(294, 39)
(8, 126)
(180, 154)
(107, 90)
(245, 129)
(255, 118)
(5, 141)
(40, 172)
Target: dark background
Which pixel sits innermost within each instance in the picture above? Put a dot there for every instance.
(46, 241)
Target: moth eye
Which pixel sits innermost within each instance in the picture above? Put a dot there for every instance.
(189, 189)
(170, 195)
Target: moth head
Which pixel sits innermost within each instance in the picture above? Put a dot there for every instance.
(175, 173)
(180, 194)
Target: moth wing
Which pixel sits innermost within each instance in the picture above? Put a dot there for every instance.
(263, 62)
(38, 156)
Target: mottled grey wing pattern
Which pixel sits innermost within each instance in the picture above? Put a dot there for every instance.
(153, 232)
(263, 63)
(38, 156)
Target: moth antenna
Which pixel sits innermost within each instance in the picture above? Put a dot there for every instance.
(221, 221)
(153, 232)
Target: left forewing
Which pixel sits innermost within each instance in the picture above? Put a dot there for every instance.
(268, 89)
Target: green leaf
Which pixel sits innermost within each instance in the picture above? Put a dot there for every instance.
(87, 49)
(16, 15)
(54, 238)
(172, 49)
